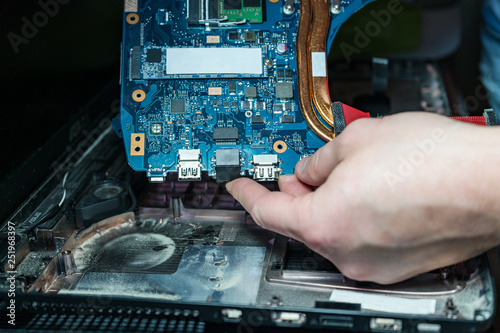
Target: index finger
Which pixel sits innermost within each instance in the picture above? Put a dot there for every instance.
(276, 211)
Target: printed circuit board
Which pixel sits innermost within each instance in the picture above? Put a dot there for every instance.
(211, 85)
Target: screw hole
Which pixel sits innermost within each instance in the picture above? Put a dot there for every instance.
(137, 138)
(137, 149)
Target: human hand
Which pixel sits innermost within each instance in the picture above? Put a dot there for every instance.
(395, 197)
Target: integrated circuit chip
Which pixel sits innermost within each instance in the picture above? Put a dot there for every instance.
(287, 119)
(135, 63)
(250, 92)
(250, 37)
(284, 90)
(234, 36)
(232, 4)
(257, 120)
(225, 134)
(251, 3)
(178, 105)
(153, 55)
(231, 86)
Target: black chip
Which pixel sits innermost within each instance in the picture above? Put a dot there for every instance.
(226, 104)
(266, 93)
(194, 12)
(257, 120)
(278, 107)
(232, 87)
(251, 3)
(234, 36)
(178, 105)
(250, 37)
(135, 63)
(288, 106)
(153, 55)
(274, 40)
(234, 104)
(261, 106)
(225, 134)
(261, 33)
(262, 40)
(232, 4)
(287, 119)
(289, 75)
(250, 92)
(280, 74)
(284, 90)
(213, 8)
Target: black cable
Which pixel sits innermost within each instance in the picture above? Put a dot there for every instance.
(51, 213)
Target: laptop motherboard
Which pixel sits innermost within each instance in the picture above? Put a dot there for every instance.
(215, 86)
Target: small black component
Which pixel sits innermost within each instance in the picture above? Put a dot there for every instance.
(234, 104)
(135, 63)
(246, 105)
(227, 164)
(153, 55)
(287, 119)
(232, 4)
(284, 90)
(289, 75)
(260, 106)
(213, 8)
(288, 106)
(274, 40)
(178, 105)
(262, 40)
(232, 87)
(260, 33)
(225, 134)
(226, 104)
(251, 3)
(266, 93)
(257, 120)
(250, 37)
(234, 36)
(194, 12)
(280, 74)
(278, 107)
(250, 92)
(106, 198)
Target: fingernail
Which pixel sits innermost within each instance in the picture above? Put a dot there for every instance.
(303, 163)
(228, 186)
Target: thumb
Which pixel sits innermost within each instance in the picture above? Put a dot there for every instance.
(314, 170)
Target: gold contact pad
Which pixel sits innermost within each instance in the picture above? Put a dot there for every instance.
(137, 141)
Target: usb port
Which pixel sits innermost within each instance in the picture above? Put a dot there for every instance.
(232, 315)
(189, 164)
(384, 325)
(288, 318)
(265, 167)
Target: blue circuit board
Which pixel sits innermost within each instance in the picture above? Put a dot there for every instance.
(211, 85)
